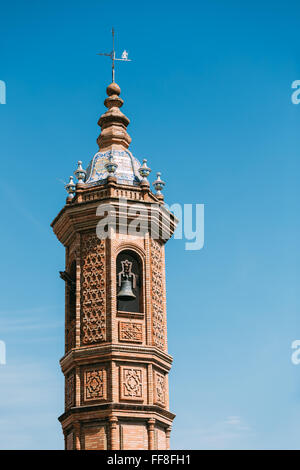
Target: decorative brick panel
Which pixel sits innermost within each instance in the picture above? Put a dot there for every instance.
(70, 390)
(159, 389)
(131, 383)
(158, 324)
(93, 298)
(70, 334)
(95, 385)
(131, 332)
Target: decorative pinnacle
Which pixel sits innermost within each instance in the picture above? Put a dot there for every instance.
(144, 171)
(113, 123)
(113, 100)
(158, 184)
(80, 173)
(70, 187)
(111, 166)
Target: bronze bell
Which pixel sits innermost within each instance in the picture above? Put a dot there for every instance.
(125, 293)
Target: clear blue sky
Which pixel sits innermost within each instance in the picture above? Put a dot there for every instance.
(208, 95)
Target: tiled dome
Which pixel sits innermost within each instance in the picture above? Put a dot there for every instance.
(126, 172)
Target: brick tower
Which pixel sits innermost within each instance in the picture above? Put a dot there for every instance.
(116, 362)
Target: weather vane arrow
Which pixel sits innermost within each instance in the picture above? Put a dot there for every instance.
(112, 55)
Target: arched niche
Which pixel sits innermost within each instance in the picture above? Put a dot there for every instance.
(136, 280)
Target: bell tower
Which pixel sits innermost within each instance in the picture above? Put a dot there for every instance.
(116, 361)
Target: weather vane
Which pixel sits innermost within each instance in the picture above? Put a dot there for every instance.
(112, 55)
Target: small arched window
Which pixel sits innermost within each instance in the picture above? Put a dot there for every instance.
(129, 282)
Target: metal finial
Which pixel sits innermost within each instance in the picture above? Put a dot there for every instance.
(144, 171)
(80, 173)
(112, 55)
(70, 187)
(158, 184)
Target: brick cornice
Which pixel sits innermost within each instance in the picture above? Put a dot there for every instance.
(100, 411)
(80, 216)
(116, 352)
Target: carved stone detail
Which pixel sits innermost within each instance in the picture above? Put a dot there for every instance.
(158, 326)
(70, 390)
(95, 384)
(159, 389)
(93, 302)
(131, 332)
(131, 383)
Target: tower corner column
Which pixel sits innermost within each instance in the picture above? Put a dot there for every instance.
(113, 420)
(151, 423)
(168, 433)
(76, 427)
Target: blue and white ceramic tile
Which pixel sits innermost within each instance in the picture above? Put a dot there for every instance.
(126, 173)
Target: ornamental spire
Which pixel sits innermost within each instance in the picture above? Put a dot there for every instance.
(113, 123)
